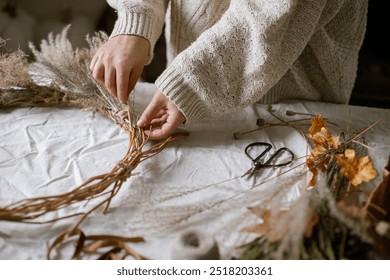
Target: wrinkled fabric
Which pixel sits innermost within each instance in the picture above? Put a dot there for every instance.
(194, 182)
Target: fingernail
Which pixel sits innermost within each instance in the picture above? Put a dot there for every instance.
(141, 123)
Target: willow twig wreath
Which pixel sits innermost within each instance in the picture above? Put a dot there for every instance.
(59, 76)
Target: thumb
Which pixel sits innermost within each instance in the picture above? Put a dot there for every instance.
(151, 111)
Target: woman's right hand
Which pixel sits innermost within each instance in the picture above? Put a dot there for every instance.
(119, 62)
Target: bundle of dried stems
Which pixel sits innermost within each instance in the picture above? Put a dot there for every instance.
(59, 76)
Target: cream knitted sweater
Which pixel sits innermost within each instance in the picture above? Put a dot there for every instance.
(224, 55)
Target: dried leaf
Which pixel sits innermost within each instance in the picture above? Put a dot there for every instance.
(273, 234)
(324, 146)
(352, 211)
(276, 226)
(313, 220)
(313, 172)
(90, 245)
(317, 123)
(377, 210)
(356, 169)
(378, 204)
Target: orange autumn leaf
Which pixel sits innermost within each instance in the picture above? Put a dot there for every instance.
(324, 144)
(273, 234)
(352, 211)
(377, 206)
(377, 209)
(275, 231)
(317, 123)
(267, 228)
(356, 169)
(324, 141)
(311, 165)
(312, 221)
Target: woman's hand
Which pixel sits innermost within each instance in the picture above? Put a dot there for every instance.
(119, 62)
(160, 118)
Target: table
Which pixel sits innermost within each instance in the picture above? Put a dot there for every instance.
(193, 184)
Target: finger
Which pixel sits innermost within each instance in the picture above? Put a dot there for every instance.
(151, 111)
(134, 76)
(154, 126)
(122, 82)
(110, 80)
(160, 131)
(98, 73)
(161, 113)
(159, 120)
(166, 128)
(94, 60)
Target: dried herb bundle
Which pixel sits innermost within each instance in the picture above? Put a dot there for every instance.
(59, 76)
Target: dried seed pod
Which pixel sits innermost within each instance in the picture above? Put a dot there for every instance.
(290, 113)
(261, 122)
(237, 135)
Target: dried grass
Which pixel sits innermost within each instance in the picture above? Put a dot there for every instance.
(71, 84)
(13, 68)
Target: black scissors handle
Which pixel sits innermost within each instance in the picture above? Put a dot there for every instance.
(255, 144)
(257, 161)
(276, 154)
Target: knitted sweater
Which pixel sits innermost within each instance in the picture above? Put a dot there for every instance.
(224, 55)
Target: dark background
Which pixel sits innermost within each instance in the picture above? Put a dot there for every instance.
(372, 87)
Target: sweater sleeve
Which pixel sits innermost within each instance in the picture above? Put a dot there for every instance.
(143, 18)
(235, 62)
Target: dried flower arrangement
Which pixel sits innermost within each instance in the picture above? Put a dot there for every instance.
(24, 84)
(330, 224)
(328, 221)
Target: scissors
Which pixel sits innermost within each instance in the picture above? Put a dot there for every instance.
(257, 162)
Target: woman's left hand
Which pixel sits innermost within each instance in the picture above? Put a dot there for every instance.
(160, 118)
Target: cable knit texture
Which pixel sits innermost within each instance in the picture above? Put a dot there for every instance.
(224, 55)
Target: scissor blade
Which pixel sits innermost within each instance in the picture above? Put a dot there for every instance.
(249, 172)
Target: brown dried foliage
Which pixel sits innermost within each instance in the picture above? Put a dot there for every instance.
(272, 227)
(327, 147)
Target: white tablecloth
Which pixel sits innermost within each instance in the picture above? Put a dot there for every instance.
(194, 183)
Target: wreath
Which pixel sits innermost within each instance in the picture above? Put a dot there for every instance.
(60, 76)
(322, 224)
